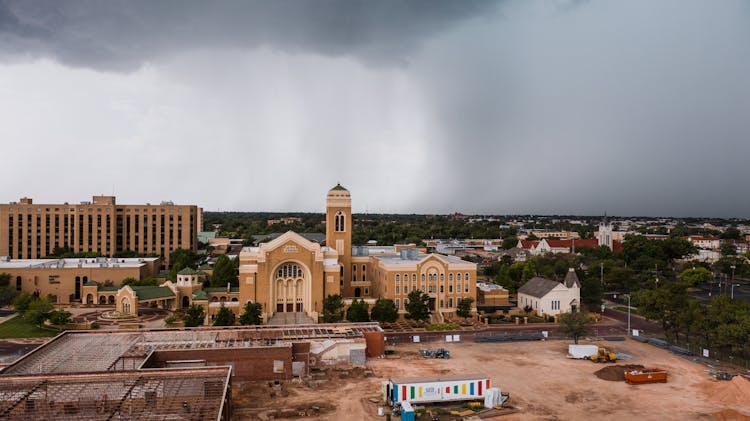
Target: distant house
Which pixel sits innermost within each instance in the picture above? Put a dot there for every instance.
(545, 296)
(705, 243)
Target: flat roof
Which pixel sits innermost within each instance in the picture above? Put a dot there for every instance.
(92, 351)
(84, 262)
(430, 379)
(396, 259)
(150, 393)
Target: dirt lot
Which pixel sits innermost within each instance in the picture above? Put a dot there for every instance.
(542, 382)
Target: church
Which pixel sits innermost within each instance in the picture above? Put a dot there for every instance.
(290, 276)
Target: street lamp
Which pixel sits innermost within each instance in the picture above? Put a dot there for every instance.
(629, 331)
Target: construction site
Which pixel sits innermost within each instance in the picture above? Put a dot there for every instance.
(541, 380)
(171, 373)
(344, 371)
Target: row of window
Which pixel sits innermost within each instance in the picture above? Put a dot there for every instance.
(431, 277)
(432, 288)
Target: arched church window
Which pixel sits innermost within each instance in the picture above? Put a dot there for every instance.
(339, 222)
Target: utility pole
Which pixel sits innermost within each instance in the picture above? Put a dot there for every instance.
(601, 272)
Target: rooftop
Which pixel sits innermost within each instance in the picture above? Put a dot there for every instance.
(104, 395)
(538, 287)
(87, 262)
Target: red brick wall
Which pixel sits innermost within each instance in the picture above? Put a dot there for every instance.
(248, 363)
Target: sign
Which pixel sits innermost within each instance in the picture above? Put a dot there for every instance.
(705, 352)
(278, 366)
(448, 338)
(415, 338)
(635, 332)
(290, 249)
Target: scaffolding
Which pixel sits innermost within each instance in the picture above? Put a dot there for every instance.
(184, 394)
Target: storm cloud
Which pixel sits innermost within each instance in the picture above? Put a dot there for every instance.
(633, 108)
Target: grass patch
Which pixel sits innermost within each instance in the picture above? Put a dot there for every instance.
(17, 327)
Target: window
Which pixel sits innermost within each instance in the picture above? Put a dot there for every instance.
(354, 268)
(466, 276)
(397, 289)
(466, 287)
(414, 277)
(442, 277)
(339, 222)
(458, 276)
(423, 277)
(450, 288)
(450, 302)
(367, 291)
(450, 277)
(363, 277)
(442, 288)
(398, 277)
(364, 268)
(398, 304)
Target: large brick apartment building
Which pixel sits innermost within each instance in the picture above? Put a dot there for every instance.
(33, 231)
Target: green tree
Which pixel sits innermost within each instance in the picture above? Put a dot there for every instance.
(39, 310)
(384, 311)
(252, 314)
(59, 317)
(225, 271)
(333, 309)
(664, 304)
(181, 259)
(509, 242)
(728, 249)
(22, 301)
(8, 293)
(696, 275)
(417, 306)
(463, 307)
(359, 311)
(224, 317)
(591, 290)
(139, 282)
(574, 325)
(731, 233)
(194, 316)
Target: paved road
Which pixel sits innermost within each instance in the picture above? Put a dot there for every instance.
(636, 322)
(741, 291)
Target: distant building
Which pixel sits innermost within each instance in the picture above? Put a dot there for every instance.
(547, 297)
(284, 220)
(33, 231)
(64, 280)
(705, 243)
(291, 275)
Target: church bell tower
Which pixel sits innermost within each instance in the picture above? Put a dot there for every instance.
(339, 232)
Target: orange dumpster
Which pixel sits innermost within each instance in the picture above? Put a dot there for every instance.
(647, 375)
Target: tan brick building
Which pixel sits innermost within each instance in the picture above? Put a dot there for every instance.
(32, 231)
(67, 280)
(293, 275)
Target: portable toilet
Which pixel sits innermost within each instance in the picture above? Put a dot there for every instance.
(407, 412)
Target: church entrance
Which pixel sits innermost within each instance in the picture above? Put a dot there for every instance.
(289, 288)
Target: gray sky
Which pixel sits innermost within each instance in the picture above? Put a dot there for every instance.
(635, 107)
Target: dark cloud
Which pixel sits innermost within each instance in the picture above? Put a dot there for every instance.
(124, 34)
(567, 106)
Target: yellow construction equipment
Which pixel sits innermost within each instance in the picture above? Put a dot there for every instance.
(603, 356)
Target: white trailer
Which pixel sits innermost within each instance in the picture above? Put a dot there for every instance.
(435, 389)
(582, 351)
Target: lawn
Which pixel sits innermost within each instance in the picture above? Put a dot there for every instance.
(17, 327)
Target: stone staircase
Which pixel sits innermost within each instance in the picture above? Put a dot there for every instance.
(296, 318)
